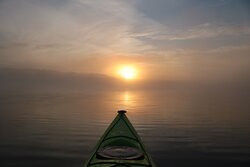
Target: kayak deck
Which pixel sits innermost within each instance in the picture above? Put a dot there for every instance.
(120, 146)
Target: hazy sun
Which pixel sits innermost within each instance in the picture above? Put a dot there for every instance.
(127, 72)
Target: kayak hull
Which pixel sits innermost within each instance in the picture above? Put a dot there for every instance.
(120, 146)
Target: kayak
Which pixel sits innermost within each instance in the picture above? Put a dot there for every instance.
(120, 146)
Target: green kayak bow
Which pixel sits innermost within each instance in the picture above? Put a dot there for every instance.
(120, 146)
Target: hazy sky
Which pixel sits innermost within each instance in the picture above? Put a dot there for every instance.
(167, 39)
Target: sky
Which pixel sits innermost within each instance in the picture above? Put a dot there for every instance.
(163, 39)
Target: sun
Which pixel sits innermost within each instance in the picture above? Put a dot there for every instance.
(127, 72)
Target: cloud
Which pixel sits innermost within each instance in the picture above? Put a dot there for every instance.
(82, 26)
(55, 35)
(92, 27)
(206, 30)
(93, 35)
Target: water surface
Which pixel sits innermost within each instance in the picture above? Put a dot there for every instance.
(179, 128)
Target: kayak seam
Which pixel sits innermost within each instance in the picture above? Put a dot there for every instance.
(140, 141)
(120, 136)
(102, 138)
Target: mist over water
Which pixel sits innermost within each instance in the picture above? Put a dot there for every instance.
(180, 127)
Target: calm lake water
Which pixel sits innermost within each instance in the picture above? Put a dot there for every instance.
(179, 128)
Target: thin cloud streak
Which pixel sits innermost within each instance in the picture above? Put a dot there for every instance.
(203, 31)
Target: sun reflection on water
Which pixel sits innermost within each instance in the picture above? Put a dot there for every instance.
(127, 100)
